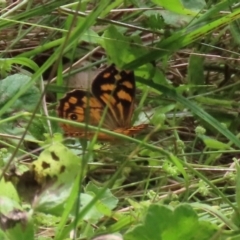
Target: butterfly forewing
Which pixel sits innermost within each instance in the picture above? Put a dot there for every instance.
(79, 106)
(116, 90)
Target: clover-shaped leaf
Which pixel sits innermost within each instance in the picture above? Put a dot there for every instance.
(162, 223)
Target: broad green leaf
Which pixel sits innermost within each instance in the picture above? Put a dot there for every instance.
(8, 190)
(22, 228)
(57, 162)
(107, 198)
(113, 40)
(57, 167)
(162, 223)
(194, 4)
(11, 85)
(175, 19)
(8, 205)
(90, 36)
(93, 214)
(3, 235)
(52, 199)
(16, 223)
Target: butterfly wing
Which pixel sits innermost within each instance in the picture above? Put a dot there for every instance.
(79, 106)
(131, 131)
(116, 90)
(112, 97)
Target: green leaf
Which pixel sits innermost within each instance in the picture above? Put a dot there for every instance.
(22, 229)
(113, 40)
(3, 235)
(8, 190)
(8, 205)
(93, 213)
(16, 223)
(107, 198)
(11, 85)
(58, 167)
(194, 4)
(57, 162)
(213, 143)
(36, 129)
(52, 199)
(162, 223)
(175, 6)
(90, 36)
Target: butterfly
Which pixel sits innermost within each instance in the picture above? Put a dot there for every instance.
(112, 97)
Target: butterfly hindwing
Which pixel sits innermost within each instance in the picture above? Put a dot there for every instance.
(116, 90)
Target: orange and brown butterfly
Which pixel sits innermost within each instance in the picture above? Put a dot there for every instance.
(113, 90)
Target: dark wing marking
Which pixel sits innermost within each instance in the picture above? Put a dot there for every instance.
(116, 90)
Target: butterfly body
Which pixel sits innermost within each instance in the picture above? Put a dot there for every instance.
(111, 98)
